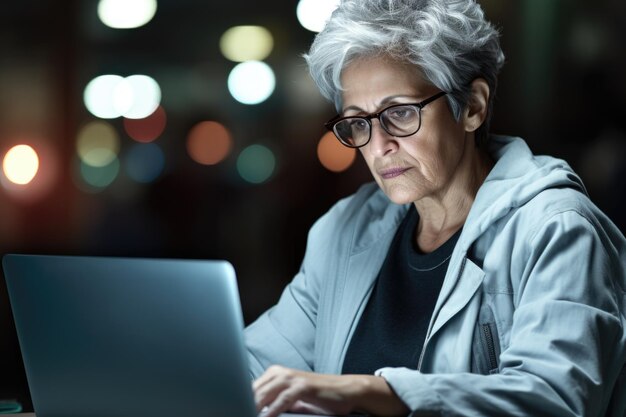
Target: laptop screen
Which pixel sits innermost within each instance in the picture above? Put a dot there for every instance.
(130, 337)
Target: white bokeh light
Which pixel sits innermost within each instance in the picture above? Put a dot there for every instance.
(111, 96)
(126, 14)
(122, 96)
(145, 97)
(99, 96)
(313, 14)
(20, 164)
(251, 82)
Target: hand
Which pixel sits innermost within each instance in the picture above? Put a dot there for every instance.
(283, 389)
(287, 390)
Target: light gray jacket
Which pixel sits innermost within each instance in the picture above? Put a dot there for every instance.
(531, 316)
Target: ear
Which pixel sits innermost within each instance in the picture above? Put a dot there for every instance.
(476, 110)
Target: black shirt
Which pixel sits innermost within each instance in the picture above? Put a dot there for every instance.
(392, 329)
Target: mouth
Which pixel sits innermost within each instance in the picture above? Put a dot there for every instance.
(392, 172)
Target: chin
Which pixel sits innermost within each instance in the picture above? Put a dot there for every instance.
(400, 195)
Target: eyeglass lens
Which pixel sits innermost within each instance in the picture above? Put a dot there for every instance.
(396, 120)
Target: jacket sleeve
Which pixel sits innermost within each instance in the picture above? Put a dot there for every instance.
(285, 334)
(567, 339)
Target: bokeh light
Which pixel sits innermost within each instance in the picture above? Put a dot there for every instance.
(256, 164)
(20, 164)
(100, 177)
(146, 129)
(246, 43)
(30, 168)
(251, 82)
(126, 14)
(145, 96)
(333, 155)
(110, 96)
(99, 96)
(313, 14)
(144, 162)
(97, 144)
(209, 142)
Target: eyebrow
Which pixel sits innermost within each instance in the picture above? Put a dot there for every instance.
(380, 105)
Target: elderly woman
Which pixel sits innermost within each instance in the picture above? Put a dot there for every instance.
(473, 277)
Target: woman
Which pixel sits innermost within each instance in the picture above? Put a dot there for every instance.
(473, 278)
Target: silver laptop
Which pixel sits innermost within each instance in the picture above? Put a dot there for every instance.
(122, 337)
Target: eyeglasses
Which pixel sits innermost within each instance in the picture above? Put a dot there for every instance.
(399, 120)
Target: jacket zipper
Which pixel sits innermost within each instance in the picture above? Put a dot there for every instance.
(430, 326)
(491, 350)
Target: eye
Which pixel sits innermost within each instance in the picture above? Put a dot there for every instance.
(401, 113)
(358, 124)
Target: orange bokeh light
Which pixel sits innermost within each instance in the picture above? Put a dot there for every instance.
(209, 143)
(30, 176)
(333, 155)
(147, 129)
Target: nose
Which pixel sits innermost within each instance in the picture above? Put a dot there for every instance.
(381, 143)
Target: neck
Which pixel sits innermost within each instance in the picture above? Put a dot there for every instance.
(444, 213)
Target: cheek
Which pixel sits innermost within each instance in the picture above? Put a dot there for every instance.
(432, 168)
(427, 154)
(435, 156)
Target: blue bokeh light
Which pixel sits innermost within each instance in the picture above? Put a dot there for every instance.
(144, 162)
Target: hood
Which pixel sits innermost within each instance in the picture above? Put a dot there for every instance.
(516, 178)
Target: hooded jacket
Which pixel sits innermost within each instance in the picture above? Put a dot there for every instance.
(530, 319)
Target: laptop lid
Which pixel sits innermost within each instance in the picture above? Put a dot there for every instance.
(120, 337)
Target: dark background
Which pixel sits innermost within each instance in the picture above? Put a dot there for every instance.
(563, 89)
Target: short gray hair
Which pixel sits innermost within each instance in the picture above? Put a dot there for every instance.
(449, 41)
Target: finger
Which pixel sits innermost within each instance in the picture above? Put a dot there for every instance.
(265, 397)
(267, 376)
(267, 392)
(303, 407)
(285, 400)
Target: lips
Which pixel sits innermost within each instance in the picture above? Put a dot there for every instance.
(389, 173)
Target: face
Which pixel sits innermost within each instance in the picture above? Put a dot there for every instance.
(407, 169)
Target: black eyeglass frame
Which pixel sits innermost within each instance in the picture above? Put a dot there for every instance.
(330, 125)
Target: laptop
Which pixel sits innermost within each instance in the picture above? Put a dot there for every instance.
(128, 337)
